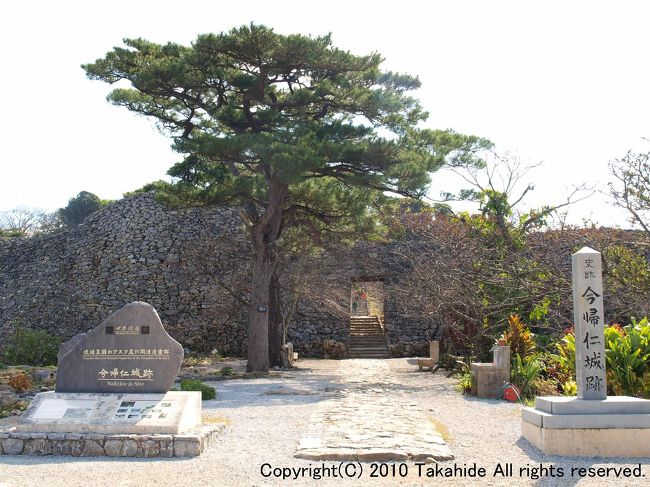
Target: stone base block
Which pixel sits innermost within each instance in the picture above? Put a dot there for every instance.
(488, 381)
(585, 421)
(622, 442)
(617, 426)
(609, 405)
(190, 444)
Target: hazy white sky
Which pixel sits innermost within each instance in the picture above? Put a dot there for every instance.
(567, 83)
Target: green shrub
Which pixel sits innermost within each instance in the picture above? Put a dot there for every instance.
(10, 409)
(525, 372)
(567, 352)
(562, 365)
(31, 347)
(227, 371)
(628, 358)
(545, 387)
(519, 337)
(570, 388)
(207, 392)
(464, 385)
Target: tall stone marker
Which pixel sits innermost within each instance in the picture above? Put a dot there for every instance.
(589, 322)
(591, 424)
(129, 352)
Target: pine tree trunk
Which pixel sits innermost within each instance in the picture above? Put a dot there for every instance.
(264, 234)
(275, 324)
(258, 317)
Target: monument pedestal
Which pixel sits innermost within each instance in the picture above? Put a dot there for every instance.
(54, 412)
(617, 426)
(104, 424)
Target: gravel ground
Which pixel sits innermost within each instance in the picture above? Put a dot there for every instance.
(267, 417)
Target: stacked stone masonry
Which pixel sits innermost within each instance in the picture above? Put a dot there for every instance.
(190, 444)
(192, 265)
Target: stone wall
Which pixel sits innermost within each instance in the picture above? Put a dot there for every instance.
(177, 260)
(192, 265)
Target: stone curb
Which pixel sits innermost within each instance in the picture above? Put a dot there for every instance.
(190, 444)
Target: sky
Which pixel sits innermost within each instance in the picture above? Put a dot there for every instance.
(566, 84)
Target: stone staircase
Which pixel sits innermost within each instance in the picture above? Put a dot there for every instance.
(367, 339)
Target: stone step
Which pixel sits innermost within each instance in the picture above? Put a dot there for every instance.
(369, 349)
(368, 355)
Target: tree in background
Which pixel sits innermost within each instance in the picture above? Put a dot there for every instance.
(79, 208)
(295, 131)
(631, 190)
(496, 185)
(23, 221)
(470, 272)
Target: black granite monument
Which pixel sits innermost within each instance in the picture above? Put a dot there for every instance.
(130, 352)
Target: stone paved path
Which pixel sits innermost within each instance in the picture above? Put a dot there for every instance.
(365, 416)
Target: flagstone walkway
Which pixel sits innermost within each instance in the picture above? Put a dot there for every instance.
(366, 416)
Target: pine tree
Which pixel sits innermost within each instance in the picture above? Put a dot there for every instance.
(293, 130)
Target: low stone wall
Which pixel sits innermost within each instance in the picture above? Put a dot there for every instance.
(190, 444)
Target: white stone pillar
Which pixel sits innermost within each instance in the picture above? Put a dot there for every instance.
(589, 323)
(434, 351)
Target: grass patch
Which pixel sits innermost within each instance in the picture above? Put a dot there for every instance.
(442, 429)
(207, 392)
(216, 420)
(227, 371)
